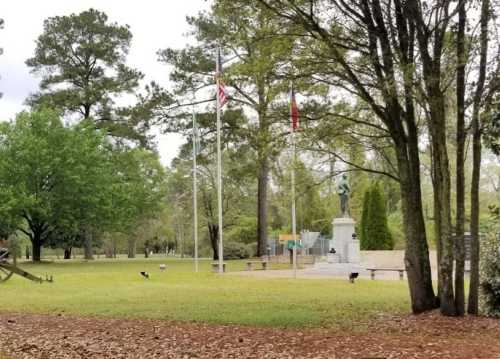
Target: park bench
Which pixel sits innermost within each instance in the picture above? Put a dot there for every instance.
(373, 270)
(215, 267)
(251, 263)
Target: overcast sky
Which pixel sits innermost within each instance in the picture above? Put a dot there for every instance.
(154, 25)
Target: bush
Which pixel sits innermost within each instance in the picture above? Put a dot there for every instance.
(489, 285)
(236, 250)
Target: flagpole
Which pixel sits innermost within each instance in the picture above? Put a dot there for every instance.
(195, 196)
(219, 168)
(294, 219)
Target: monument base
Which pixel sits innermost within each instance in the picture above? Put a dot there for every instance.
(337, 269)
(333, 258)
(346, 259)
(345, 246)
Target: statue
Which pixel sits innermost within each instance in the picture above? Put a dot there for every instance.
(343, 190)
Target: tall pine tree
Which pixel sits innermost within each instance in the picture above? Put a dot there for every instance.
(81, 59)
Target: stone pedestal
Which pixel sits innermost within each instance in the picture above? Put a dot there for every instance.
(343, 228)
(353, 252)
(346, 259)
(333, 258)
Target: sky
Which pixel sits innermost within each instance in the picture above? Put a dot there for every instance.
(154, 24)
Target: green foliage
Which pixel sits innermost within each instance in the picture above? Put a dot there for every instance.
(490, 275)
(138, 186)
(56, 174)
(243, 230)
(489, 285)
(395, 223)
(313, 210)
(15, 246)
(236, 250)
(81, 59)
(58, 180)
(375, 234)
(492, 130)
(364, 240)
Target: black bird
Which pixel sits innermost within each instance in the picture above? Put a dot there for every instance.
(353, 276)
(145, 275)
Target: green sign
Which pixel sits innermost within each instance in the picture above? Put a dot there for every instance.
(290, 244)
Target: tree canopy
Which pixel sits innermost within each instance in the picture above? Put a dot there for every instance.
(81, 59)
(60, 180)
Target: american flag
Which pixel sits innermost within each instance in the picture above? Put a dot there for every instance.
(221, 88)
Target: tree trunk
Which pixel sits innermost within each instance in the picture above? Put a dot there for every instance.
(67, 253)
(262, 206)
(473, 305)
(37, 249)
(460, 159)
(87, 244)
(213, 232)
(132, 248)
(442, 201)
(417, 262)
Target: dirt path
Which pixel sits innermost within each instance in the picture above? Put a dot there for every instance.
(426, 336)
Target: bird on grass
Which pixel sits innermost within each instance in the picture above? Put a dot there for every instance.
(145, 275)
(353, 276)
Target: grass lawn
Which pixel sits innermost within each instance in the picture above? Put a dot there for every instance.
(115, 288)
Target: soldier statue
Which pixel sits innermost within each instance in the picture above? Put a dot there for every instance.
(343, 190)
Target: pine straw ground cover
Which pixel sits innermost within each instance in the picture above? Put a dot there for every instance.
(425, 336)
(106, 310)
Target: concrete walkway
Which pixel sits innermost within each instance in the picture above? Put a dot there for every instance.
(369, 259)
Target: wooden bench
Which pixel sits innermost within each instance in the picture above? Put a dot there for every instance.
(215, 267)
(251, 263)
(373, 270)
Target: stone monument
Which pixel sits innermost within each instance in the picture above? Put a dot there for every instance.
(343, 257)
(345, 241)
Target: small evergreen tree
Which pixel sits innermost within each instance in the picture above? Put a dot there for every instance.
(363, 237)
(375, 232)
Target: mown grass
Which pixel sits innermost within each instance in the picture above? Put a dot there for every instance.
(115, 288)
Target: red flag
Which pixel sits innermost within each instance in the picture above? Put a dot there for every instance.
(294, 111)
(221, 88)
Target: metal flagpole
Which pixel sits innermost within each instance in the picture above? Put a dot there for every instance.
(294, 222)
(219, 167)
(195, 194)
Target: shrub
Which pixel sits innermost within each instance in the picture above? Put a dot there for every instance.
(375, 234)
(236, 250)
(363, 238)
(489, 285)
